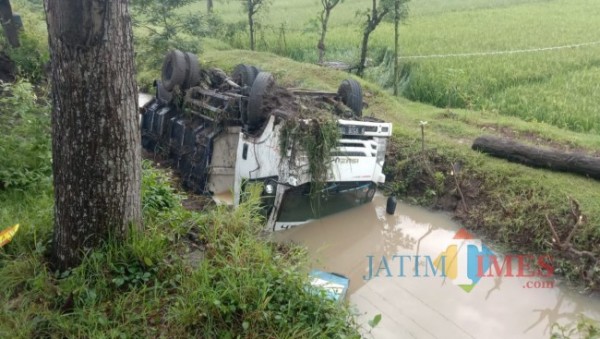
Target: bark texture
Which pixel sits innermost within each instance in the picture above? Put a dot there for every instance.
(95, 133)
(539, 157)
(251, 12)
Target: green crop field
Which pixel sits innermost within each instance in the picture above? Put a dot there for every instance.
(559, 86)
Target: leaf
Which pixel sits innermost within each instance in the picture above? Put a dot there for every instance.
(148, 261)
(245, 325)
(118, 281)
(7, 235)
(375, 321)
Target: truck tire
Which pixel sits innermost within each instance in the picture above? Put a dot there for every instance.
(256, 114)
(244, 75)
(351, 95)
(162, 94)
(174, 69)
(370, 194)
(192, 76)
(256, 70)
(390, 207)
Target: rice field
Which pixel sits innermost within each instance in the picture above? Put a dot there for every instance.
(558, 86)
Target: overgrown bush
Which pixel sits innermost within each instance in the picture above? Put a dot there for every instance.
(160, 26)
(157, 193)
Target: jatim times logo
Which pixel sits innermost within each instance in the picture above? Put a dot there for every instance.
(465, 261)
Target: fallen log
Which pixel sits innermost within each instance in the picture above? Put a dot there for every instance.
(539, 157)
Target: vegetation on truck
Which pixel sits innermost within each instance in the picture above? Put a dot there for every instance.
(313, 151)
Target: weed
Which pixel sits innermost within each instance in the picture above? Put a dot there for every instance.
(316, 139)
(584, 328)
(25, 137)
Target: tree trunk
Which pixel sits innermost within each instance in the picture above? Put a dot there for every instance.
(324, 23)
(539, 157)
(95, 132)
(209, 6)
(363, 52)
(396, 43)
(251, 23)
(11, 30)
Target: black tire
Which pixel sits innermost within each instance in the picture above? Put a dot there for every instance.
(244, 75)
(256, 114)
(174, 70)
(370, 194)
(351, 95)
(192, 76)
(162, 94)
(390, 207)
(256, 70)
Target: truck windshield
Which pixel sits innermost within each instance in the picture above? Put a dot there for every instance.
(297, 205)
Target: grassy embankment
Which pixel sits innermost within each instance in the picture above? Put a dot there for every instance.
(558, 87)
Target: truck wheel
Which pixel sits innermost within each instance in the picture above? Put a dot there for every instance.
(256, 114)
(390, 207)
(162, 94)
(192, 76)
(256, 70)
(370, 194)
(244, 75)
(174, 70)
(350, 93)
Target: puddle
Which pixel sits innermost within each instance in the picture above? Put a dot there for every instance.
(433, 306)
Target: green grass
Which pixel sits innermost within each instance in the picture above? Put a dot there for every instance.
(517, 197)
(151, 285)
(558, 87)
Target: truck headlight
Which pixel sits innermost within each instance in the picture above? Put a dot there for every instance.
(269, 189)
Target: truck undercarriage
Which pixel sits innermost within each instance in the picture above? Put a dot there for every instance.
(221, 133)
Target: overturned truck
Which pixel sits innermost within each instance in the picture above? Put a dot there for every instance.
(312, 151)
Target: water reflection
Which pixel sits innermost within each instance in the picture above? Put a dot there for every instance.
(433, 307)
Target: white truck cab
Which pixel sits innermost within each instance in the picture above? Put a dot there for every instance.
(224, 133)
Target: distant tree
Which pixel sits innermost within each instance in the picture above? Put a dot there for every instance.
(400, 12)
(209, 6)
(374, 16)
(10, 27)
(164, 24)
(252, 7)
(328, 6)
(96, 157)
(161, 18)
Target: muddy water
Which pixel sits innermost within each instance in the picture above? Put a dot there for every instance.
(429, 307)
